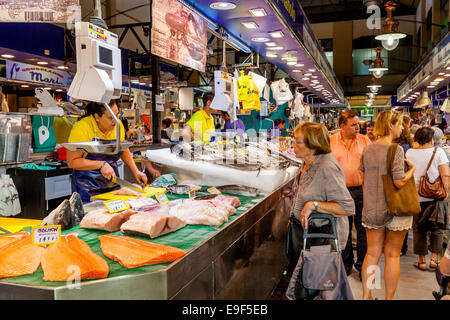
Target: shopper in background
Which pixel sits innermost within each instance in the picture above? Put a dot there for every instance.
(229, 124)
(202, 122)
(166, 129)
(275, 131)
(421, 156)
(445, 262)
(321, 186)
(347, 147)
(370, 129)
(384, 232)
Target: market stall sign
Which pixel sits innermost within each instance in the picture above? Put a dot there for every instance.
(38, 74)
(162, 198)
(49, 11)
(45, 234)
(114, 206)
(214, 190)
(179, 34)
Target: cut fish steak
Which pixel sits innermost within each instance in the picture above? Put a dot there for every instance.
(132, 253)
(232, 201)
(18, 255)
(72, 258)
(152, 224)
(101, 219)
(141, 203)
(208, 212)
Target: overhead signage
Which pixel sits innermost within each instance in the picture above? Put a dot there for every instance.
(179, 34)
(38, 74)
(50, 11)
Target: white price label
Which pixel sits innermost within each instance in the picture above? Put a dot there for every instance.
(114, 206)
(162, 198)
(46, 234)
(214, 190)
(192, 194)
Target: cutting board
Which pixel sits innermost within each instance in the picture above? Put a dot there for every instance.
(14, 224)
(149, 191)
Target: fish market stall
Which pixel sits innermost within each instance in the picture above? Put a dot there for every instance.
(217, 260)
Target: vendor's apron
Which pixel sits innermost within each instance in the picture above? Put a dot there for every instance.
(91, 182)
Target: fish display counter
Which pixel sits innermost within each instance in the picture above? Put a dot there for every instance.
(242, 258)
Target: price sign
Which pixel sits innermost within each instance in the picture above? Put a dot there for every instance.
(114, 206)
(46, 234)
(214, 190)
(192, 194)
(162, 198)
(187, 146)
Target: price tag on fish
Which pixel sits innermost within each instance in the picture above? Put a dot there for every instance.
(162, 198)
(214, 190)
(192, 194)
(114, 206)
(45, 234)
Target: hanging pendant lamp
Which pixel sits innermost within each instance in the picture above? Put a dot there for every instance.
(390, 36)
(423, 101)
(378, 68)
(373, 85)
(446, 106)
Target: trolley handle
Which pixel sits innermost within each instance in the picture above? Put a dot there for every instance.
(320, 216)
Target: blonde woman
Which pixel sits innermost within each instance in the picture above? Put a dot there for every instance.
(385, 233)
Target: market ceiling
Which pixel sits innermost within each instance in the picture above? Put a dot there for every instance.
(305, 71)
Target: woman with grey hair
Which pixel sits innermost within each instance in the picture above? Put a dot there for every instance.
(437, 137)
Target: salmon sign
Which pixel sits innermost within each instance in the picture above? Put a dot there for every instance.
(114, 206)
(45, 234)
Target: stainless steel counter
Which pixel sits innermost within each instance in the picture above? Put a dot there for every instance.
(243, 260)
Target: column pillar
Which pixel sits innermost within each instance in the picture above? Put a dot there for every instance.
(342, 50)
(435, 19)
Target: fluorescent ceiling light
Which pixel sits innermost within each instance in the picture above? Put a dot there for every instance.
(277, 34)
(314, 77)
(441, 73)
(277, 48)
(296, 70)
(43, 63)
(250, 25)
(271, 54)
(305, 79)
(270, 44)
(222, 5)
(142, 83)
(447, 75)
(8, 56)
(134, 81)
(62, 67)
(312, 70)
(59, 90)
(308, 74)
(259, 12)
(291, 63)
(47, 88)
(260, 39)
(431, 86)
(439, 79)
(299, 65)
(25, 86)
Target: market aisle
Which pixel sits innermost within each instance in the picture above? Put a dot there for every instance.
(413, 284)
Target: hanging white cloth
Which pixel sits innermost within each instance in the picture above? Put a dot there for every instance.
(266, 94)
(307, 111)
(281, 92)
(297, 106)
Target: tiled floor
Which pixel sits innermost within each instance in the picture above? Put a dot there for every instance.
(413, 283)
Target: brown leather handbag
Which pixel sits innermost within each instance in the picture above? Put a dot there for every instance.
(433, 190)
(403, 201)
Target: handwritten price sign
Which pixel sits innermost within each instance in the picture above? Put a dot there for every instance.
(214, 190)
(114, 206)
(46, 234)
(162, 198)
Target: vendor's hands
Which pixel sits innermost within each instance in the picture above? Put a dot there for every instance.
(308, 208)
(141, 178)
(108, 172)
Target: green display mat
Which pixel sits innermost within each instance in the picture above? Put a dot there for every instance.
(186, 238)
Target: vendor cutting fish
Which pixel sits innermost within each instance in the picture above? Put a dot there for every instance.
(93, 172)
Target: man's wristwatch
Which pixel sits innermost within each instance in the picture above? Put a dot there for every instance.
(316, 205)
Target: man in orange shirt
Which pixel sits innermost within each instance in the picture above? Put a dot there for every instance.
(347, 146)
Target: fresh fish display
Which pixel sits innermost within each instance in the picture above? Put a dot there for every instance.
(207, 212)
(62, 215)
(205, 197)
(72, 258)
(18, 256)
(125, 191)
(101, 219)
(194, 187)
(239, 190)
(152, 224)
(179, 189)
(232, 201)
(140, 203)
(76, 207)
(132, 253)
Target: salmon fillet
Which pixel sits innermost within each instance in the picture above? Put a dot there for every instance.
(152, 224)
(101, 219)
(132, 253)
(18, 256)
(72, 259)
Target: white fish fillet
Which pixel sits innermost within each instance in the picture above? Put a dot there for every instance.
(153, 224)
(101, 219)
(207, 212)
(141, 202)
(124, 191)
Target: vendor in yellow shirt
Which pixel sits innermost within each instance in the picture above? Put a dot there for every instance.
(93, 172)
(202, 122)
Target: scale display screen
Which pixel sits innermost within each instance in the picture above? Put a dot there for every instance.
(105, 55)
(228, 87)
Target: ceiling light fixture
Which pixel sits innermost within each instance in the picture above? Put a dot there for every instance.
(25, 86)
(277, 48)
(291, 63)
(296, 70)
(8, 56)
(277, 34)
(378, 69)
(299, 65)
(42, 63)
(305, 79)
(62, 67)
(260, 39)
(271, 54)
(390, 36)
(270, 44)
(250, 25)
(259, 12)
(423, 101)
(222, 5)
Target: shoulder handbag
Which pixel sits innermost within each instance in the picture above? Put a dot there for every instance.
(403, 201)
(433, 190)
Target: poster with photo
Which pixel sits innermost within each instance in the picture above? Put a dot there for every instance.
(179, 34)
(51, 11)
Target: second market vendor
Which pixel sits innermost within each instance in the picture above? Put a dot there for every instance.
(93, 172)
